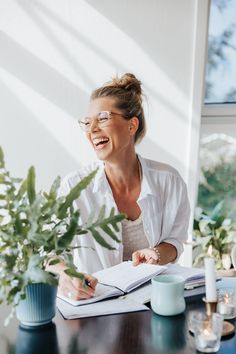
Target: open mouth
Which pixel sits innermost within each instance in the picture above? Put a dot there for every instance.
(99, 143)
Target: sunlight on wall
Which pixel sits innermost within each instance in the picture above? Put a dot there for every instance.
(65, 51)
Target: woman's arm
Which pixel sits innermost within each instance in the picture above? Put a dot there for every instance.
(161, 254)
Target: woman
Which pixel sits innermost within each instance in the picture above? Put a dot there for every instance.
(151, 194)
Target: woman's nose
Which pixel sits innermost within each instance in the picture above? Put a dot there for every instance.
(94, 126)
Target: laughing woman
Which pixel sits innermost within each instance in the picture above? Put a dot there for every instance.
(152, 194)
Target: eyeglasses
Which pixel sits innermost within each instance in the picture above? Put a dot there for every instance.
(102, 119)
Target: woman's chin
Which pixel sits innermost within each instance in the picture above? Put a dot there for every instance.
(101, 155)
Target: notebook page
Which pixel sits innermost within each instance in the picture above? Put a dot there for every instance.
(102, 292)
(126, 277)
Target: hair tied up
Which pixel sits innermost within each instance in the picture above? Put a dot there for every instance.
(127, 82)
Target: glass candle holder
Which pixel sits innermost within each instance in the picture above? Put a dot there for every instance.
(226, 303)
(207, 331)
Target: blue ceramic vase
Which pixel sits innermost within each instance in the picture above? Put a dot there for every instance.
(39, 306)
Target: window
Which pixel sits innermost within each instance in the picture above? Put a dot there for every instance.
(218, 129)
(221, 67)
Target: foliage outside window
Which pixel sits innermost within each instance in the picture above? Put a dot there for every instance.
(221, 67)
(217, 172)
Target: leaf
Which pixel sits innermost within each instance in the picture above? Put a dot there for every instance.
(22, 190)
(54, 261)
(74, 274)
(217, 210)
(10, 261)
(75, 193)
(68, 258)
(31, 184)
(2, 163)
(96, 235)
(18, 225)
(65, 240)
(101, 213)
(109, 231)
(54, 188)
(219, 221)
(91, 217)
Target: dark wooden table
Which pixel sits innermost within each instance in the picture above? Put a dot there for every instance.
(134, 333)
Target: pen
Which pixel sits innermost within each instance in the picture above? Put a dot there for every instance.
(87, 283)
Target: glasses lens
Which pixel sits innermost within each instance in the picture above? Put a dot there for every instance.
(84, 123)
(101, 119)
(103, 115)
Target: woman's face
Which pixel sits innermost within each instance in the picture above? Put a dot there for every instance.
(114, 138)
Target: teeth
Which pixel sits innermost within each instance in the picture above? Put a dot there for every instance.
(100, 140)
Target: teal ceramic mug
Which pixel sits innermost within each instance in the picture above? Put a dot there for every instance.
(167, 297)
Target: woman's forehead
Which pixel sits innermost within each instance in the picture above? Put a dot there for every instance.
(101, 104)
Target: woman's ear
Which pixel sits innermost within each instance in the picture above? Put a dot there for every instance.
(133, 125)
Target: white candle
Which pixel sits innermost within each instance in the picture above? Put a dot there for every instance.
(210, 278)
(207, 339)
(225, 309)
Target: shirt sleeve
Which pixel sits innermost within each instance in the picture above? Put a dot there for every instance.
(179, 232)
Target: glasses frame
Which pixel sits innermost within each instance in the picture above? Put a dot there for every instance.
(84, 127)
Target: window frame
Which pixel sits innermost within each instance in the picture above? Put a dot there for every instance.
(219, 113)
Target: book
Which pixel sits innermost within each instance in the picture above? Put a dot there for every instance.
(118, 280)
(101, 308)
(193, 277)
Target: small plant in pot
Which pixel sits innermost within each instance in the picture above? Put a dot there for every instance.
(37, 229)
(214, 233)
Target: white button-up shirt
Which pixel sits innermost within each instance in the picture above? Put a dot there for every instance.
(164, 205)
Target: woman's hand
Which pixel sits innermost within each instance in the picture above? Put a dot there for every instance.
(75, 288)
(146, 255)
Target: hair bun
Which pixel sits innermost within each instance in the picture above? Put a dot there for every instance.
(128, 82)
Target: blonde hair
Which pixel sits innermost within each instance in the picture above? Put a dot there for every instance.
(128, 94)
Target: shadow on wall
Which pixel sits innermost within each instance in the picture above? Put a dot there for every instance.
(42, 78)
(122, 14)
(113, 11)
(31, 8)
(68, 96)
(25, 132)
(147, 147)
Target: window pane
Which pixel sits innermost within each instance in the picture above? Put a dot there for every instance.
(221, 67)
(218, 171)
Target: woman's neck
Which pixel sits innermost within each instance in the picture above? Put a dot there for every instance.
(124, 175)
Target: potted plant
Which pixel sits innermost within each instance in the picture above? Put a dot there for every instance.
(214, 233)
(36, 229)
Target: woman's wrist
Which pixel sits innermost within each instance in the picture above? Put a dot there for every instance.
(158, 254)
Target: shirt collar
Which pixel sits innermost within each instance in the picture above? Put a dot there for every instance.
(101, 184)
(147, 187)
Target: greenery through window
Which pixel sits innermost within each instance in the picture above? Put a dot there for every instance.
(217, 171)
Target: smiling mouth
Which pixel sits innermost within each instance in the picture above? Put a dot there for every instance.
(99, 143)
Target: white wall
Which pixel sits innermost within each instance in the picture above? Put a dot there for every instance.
(54, 52)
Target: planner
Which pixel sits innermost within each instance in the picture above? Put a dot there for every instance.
(118, 280)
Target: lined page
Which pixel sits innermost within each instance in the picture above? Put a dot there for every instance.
(101, 292)
(127, 277)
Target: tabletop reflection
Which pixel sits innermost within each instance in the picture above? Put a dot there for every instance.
(37, 340)
(168, 333)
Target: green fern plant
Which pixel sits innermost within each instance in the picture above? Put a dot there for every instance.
(37, 228)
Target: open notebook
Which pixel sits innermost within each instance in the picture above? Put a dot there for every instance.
(193, 277)
(118, 280)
